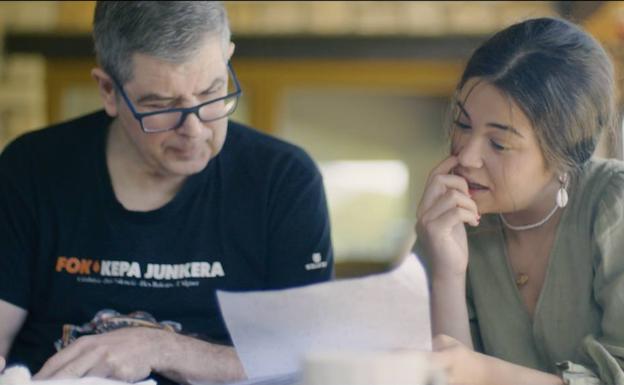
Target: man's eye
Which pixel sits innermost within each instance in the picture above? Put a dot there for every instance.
(157, 106)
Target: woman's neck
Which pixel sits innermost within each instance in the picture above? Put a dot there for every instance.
(537, 211)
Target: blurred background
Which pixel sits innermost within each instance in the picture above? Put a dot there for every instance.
(363, 86)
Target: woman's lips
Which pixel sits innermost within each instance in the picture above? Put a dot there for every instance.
(476, 189)
(476, 186)
(473, 187)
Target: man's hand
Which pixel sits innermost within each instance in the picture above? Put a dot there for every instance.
(128, 354)
(131, 354)
(2, 363)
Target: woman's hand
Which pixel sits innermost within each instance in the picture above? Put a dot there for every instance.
(462, 365)
(444, 209)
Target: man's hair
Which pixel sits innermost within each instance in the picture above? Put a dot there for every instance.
(168, 30)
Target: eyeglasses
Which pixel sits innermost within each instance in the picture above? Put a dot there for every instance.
(173, 118)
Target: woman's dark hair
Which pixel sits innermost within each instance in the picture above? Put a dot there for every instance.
(561, 78)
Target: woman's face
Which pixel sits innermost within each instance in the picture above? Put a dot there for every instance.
(498, 152)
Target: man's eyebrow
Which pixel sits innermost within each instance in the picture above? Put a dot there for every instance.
(215, 83)
(503, 127)
(154, 97)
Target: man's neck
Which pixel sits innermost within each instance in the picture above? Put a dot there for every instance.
(136, 186)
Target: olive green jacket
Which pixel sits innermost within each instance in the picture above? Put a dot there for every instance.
(577, 329)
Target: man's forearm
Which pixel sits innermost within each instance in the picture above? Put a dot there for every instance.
(188, 360)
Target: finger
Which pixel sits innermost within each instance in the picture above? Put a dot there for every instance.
(451, 199)
(77, 368)
(439, 185)
(119, 369)
(452, 217)
(100, 370)
(444, 167)
(61, 359)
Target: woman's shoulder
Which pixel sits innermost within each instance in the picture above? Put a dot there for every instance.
(601, 176)
(600, 192)
(597, 166)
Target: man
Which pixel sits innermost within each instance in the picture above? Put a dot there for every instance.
(151, 206)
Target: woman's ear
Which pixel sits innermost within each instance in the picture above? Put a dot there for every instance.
(107, 91)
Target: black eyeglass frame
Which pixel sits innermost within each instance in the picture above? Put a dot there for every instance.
(184, 110)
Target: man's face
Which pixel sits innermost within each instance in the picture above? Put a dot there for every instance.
(160, 85)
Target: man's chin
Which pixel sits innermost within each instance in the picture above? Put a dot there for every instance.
(187, 167)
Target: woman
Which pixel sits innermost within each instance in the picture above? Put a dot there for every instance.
(523, 233)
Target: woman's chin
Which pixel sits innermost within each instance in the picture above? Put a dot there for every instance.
(486, 209)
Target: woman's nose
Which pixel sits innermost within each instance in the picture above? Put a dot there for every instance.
(469, 152)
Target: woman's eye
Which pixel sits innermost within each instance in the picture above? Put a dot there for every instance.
(462, 126)
(497, 146)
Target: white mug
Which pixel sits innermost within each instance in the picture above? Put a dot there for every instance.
(369, 368)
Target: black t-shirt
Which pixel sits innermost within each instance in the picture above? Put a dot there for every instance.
(254, 218)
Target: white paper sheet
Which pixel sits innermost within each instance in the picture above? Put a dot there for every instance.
(20, 375)
(273, 330)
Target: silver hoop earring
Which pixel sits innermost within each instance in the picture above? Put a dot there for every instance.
(562, 194)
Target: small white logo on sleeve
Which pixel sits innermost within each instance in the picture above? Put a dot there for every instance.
(317, 262)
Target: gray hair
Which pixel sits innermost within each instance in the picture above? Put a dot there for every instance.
(169, 30)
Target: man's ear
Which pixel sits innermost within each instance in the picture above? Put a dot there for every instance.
(107, 90)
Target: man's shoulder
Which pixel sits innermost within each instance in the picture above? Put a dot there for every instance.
(59, 136)
(250, 145)
(54, 150)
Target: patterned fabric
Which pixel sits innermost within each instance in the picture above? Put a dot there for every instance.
(108, 320)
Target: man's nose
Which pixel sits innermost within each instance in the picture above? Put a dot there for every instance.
(191, 125)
